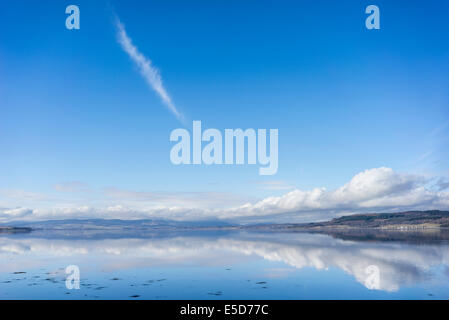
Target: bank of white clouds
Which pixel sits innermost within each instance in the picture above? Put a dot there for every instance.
(378, 188)
(373, 190)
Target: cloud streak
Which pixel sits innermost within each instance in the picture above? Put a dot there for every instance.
(147, 70)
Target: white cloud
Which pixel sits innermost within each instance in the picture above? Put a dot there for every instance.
(374, 189)
(71, 186)
(17, 213)
(274, 185)
(442, 184)
(190, 199)
(146, 68)
(22, 195)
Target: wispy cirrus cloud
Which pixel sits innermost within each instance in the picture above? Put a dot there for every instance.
(275, 185)
(71, 186)
(147, 70)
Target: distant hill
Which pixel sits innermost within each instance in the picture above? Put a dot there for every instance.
(115, 228)
(409, 220)
(110, 224)
(9, 230)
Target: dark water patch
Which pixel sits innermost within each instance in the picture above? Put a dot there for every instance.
(100, 288)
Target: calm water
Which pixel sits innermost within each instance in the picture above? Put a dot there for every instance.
(240, 265)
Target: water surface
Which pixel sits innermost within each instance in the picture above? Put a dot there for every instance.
(228, 265)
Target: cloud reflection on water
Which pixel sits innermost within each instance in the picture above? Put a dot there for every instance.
(399, 264)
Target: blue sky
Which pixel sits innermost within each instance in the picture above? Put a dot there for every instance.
(76, 114)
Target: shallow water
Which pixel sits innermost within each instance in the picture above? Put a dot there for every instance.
(234, 265)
